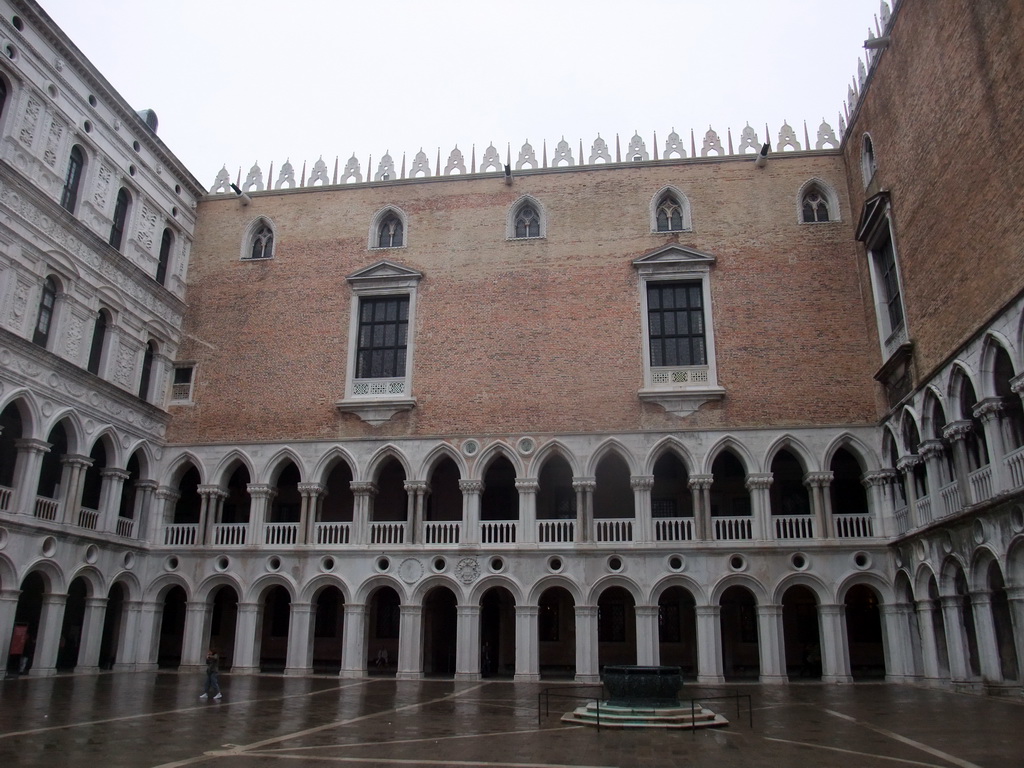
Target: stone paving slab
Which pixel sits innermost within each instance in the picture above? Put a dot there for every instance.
(122, 720)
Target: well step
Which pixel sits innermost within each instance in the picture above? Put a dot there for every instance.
(644, 717)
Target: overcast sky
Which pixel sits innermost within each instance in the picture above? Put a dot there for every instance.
(234, 82)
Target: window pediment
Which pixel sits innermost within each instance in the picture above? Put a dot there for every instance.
(384, 274)
(873, 213)
(673, 258)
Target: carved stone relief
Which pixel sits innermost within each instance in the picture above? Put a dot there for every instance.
(53, 139)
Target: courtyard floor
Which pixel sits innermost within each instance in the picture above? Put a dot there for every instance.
(156, 719)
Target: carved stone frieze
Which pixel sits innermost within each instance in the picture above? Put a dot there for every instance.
(125, 365)
(53, 139)
(147, 226)
(27, 134)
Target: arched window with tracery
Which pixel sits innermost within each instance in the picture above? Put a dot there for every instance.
(390, 232)
(669, 213)
(262, 245)
(527, 221)
(815, 206)
(99, 336)
(117, 226)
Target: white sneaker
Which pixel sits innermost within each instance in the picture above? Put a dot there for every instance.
(217, 696)
(202, 696)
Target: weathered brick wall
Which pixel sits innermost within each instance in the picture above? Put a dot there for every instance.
(943, 109)
(528, 336)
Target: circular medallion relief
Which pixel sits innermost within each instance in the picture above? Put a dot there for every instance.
(468, 570)
(411, 570)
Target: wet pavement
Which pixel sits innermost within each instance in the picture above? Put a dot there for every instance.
(157, 719)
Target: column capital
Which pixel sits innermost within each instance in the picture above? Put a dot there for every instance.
(256, 490)
(646, 610)
(769, 609)
(700, 482)
(527, 610)
(527, 484)
(165, 492)
(363, 488)
(146, 485)
(759, 481)
(212, 491)
(31, 445)
(1014, 593)
(416, 486)
(115, 472)
(586, 610)
(584, 483)
(981, 597)
(931, 449)
(471, 486)
(951, 601)
(641, 482)
(1017, 384)
(310, 489)
(76, 460)
(9, 595)
(878, 477)
(95, 602)
(707, 610)
(989, 408)
(832, 609)
(907, 463)
(819, 479)
(957, 430)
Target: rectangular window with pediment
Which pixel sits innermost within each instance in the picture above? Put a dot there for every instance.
(383, 337)
(680, 373)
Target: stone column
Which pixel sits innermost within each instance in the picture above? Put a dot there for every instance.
(354, 652)
(905, 466)
(8, 608)
(299, 660)
(956, 641)
(410, 643)
(527, 487)
(312, 495)
(700, 494)
(709, 645)
(586, 644)
(933, 452)
(467, 643)
(260, 495)
(929, 649)
(148, 648)
(92, 634)
(245, 657)
(758, 486)
(197, 633)
(771, 644)
(363, 493)
(643, 523)
(527, 644)
(835, 653)
(648, 651)
(415, 492)
(51, 621)
(956, 432)
(128, 637)
(145, 513)
(110, 498)
(166, 499)
(26, 474)
(584, 487)
(899, 657)
(990, 412)
(71, 484)
(879, 488)
(471, 492)
(818, 485)
(212, 500)
(1015, 598)
(985, 629)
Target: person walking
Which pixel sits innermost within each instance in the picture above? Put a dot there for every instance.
(212, 675)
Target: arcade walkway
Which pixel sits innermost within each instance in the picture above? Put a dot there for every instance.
(149, 719)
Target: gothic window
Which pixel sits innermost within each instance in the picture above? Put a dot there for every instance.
(147, 370)
(3, 95)
(45, 317)
(669, 214)
(261, 243)
(99, 336)
(868, 164)
(815, 206)
(390, 232)
(383, 335)
(527, 221)
(165, 256)
(675, 322)
(120, 218)
(73, 179)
